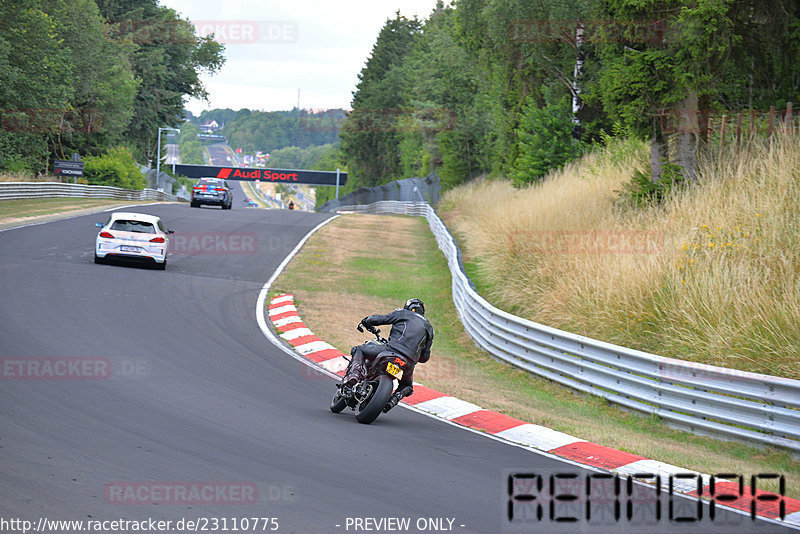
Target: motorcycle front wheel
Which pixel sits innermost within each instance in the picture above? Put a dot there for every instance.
(371, 408)
(338, 402)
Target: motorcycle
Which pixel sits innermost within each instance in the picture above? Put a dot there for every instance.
(370, 396)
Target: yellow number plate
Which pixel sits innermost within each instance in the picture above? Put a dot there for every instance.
(395, 371)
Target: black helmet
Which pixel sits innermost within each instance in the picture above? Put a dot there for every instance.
(415, 305)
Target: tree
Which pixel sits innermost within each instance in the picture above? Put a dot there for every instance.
(322, 158)
(102, 78)
(35, 86)
(169, 58)
(72, 83)
(190, 149)
(545, 140)
(368, 136)
(192, 153)
(695, 59)
(288, 158)
(272, 130)
(445, 128)
(763, 68)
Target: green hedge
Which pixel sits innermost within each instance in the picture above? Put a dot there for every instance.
(116, 168)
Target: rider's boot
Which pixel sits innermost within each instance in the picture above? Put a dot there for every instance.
(397, 396)
(355, 372)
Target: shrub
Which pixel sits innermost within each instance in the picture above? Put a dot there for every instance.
(643, 191)
(116, 168)
(545, 141)
(22, 153)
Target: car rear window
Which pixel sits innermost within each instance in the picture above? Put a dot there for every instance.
(209, 182)
(124, 225)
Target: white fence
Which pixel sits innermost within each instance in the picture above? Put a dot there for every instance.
(703, 399)
(23, 190)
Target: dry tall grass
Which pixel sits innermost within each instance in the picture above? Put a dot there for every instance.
(26, 177)
(713, 275)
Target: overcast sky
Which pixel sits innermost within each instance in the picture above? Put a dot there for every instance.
(273, 48)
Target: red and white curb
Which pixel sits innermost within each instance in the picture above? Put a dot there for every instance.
(287, 321)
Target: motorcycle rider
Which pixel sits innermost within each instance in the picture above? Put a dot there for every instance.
(411, 336)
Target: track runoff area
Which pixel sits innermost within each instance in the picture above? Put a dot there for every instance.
(251, 174)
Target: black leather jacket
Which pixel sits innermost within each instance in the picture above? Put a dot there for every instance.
(411, 334)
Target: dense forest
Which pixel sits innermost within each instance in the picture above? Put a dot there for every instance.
(96, 77)
(516, 87)
(273, 130)
(499, 87)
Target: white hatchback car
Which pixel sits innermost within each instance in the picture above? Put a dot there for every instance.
(132, 236)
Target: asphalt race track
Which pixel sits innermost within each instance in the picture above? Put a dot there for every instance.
(173, 388)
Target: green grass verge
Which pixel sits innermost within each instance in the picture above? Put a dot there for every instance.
(15, 209)
(420, 270)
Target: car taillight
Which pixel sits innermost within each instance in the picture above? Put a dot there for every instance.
(220, 189)
(106, 235)
(158, 239)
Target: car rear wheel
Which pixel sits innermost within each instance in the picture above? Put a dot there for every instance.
(98, 259)
(162, 266)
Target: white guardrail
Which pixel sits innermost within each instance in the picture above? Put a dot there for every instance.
(703, 399)
(23, 190)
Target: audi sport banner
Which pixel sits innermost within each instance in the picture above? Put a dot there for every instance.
(250, 174)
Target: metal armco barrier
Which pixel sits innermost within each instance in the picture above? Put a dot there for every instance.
(391, 207)
(409, 189)
(703, 399)
(23, 190)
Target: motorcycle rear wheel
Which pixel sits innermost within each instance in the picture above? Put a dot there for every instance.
(371, 408)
